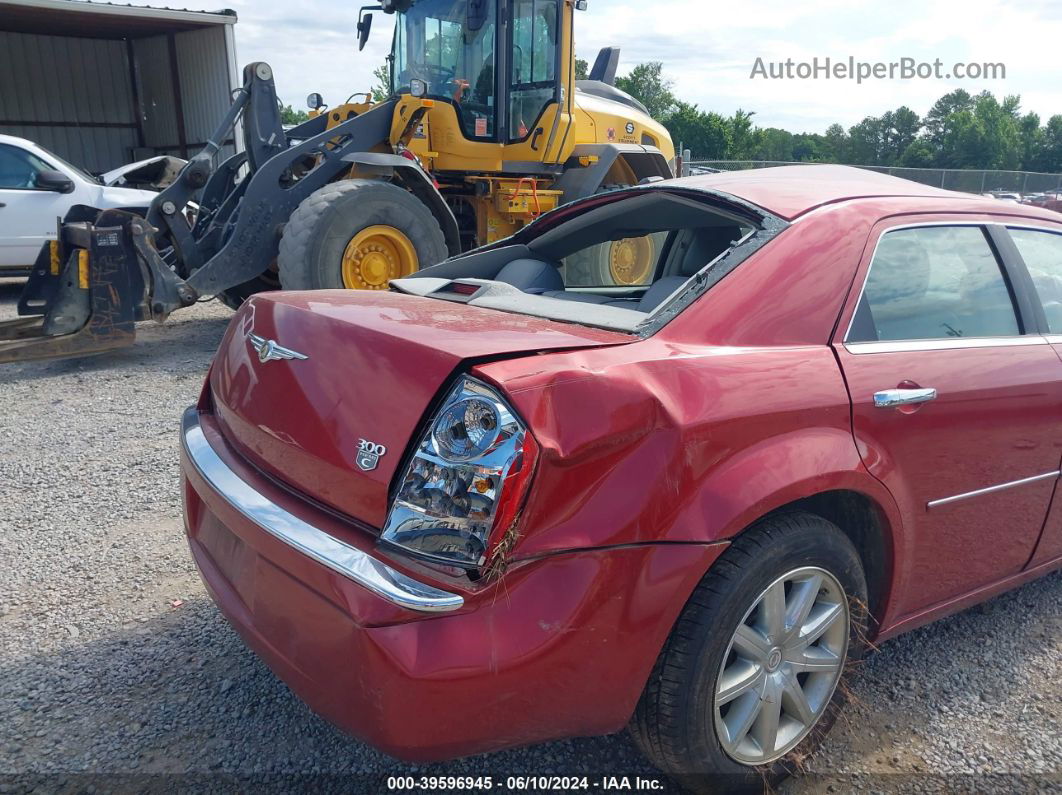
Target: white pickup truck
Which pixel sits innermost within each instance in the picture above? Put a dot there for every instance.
(38, 187)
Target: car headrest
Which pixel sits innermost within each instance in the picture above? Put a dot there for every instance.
(708, 244)
(661, 290)
(532, 276)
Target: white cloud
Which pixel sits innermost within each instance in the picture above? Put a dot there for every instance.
(709, 50)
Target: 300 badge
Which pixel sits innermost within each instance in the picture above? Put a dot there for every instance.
(369, 454)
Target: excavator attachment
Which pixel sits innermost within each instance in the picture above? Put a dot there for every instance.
(82, 297)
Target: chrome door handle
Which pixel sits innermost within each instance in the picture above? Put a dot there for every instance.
(891, 398)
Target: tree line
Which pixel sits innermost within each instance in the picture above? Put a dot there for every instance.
(961, 130)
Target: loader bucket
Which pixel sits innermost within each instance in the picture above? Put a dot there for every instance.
(84, 296)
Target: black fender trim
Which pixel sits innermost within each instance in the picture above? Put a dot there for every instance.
(417, 181)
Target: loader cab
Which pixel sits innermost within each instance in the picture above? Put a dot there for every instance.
(498, 66)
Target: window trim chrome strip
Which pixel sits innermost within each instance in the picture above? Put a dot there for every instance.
(991, 489)
(983, 225)
(327, 550)
(943, 344)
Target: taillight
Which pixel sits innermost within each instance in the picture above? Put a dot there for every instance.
(466, 480)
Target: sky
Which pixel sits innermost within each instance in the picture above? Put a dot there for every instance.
(710, 48)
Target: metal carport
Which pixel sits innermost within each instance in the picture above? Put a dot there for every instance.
(102, 84)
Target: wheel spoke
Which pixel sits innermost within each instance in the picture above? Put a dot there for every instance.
(772, 612)
(765, 729)
(737, 679)
(812, 660)
(740, 718)
(751, 644)
(821, 619)
(802, 598)
(795, 700)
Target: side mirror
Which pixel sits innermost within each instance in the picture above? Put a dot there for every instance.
(315, 101)
(364, 28)
(55, 181)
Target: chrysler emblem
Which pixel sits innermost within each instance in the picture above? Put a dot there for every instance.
(369, 454)
(269, 351)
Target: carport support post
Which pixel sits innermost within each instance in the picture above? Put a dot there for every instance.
(138, 108)
(178, 102)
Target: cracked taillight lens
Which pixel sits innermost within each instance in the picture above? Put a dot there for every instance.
(463, 486)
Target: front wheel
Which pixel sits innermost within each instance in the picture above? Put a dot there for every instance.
(748, 682)
(358, 234)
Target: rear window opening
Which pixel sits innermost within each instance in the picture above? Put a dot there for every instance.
(620, 265)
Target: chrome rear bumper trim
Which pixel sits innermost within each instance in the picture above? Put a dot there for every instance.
(327, 550)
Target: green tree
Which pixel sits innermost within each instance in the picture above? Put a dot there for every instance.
(1032, 140)
(288, 115)
(706, 135)
(899, 128)
(582, 69)
(1051, 145)
(743, 137)
(836, 142)
(920, 154)
(647, 84)
(985, 137)
(936, 121)
(864, 142)
(774, 144)
(382, 89)
(811, 148)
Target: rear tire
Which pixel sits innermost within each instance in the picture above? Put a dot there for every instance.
(706, 688)
(321, 248)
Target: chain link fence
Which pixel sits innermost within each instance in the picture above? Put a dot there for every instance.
(969, 181)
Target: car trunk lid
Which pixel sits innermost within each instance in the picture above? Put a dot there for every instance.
(373, 365)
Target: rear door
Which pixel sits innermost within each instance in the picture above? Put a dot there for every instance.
(956, 404)
(1040, 249)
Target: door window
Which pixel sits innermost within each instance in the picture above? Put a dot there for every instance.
(934, 282)
(533, 86)
(19, 168)
(1042, 252)
(449, 44)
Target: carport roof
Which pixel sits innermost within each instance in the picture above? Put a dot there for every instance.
(103, 20)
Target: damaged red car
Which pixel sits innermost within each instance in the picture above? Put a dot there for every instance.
(668, 459)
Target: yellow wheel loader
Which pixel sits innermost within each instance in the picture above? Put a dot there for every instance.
(486, 129)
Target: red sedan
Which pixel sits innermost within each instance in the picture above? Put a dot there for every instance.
(668, 459)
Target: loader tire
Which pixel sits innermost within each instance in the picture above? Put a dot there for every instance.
(358, 234)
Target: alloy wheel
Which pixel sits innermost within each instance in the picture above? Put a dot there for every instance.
(782, 666)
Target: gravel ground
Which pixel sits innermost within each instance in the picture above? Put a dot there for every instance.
(114, 662)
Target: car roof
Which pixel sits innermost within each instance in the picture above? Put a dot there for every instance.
(14, 139)
(791, 191)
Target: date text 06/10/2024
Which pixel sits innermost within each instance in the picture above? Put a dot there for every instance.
(525, 783)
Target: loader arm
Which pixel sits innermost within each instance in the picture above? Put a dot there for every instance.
(271, 197)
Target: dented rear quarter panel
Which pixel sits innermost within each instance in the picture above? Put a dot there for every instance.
(735, 408)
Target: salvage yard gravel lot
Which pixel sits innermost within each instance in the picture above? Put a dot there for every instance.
(113, 659)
